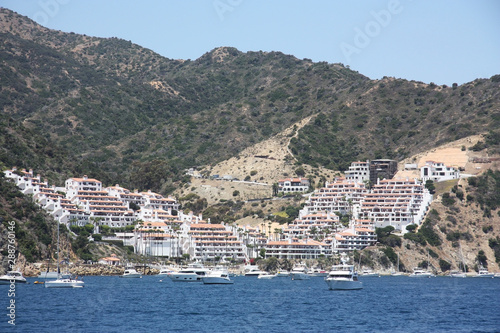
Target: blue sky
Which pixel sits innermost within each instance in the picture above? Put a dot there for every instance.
(442, 41)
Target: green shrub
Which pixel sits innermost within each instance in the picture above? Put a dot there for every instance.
(444, 265)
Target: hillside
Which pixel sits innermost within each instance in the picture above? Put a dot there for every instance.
(122, 109)
(74, 104)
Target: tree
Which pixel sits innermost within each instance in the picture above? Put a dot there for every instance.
(429, 184)
(275, 189)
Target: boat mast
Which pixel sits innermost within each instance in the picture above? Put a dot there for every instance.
(58, 271)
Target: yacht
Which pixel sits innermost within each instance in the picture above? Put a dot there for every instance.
(255, 272)
(299, 272)
(421, 273)
(166, 271)
(191, 273)
(483, 273)
(318, 272)
(12, 276)
(266, 276)
(131, 273)
(369, 272)
(217, 276)
(283, 274)
(343, 277)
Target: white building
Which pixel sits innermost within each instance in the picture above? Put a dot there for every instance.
(358, 171)
(293, 185)
(438, 172)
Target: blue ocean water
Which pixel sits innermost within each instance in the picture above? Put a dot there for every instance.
(386, 304)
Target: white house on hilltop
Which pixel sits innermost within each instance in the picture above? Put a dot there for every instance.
(438, 172)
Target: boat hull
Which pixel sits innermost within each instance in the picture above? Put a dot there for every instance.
(131, 276)
(65, 283)
(216, 280)
(10, 281)
(185, 277)
(336, 284)
(489, 275)
(299, 276)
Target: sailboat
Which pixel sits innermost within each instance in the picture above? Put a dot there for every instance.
(461, 272)
(397, 272)
(63, 280)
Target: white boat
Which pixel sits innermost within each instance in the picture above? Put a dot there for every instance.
(166, 271)
(217, 276)
(299, 272)
(421, 273)
(457, 274)
(318, 272)
(343, 277)
(254, 272)
(266, 276)
(191, 273)
(63, 280)
(283, 274)
(131, 273)
(483, 273)
(12, 277)
(369, 273)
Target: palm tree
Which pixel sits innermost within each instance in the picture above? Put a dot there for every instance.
(275, 189)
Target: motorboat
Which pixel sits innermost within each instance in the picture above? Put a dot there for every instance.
(343, 277)
(65, 281)
(166, 271)
(254, 272)
(217, 276)
(283, 274)
(191, 273)
(483, 273)
(369, 273)
(131, 273)
(421, 273)
(318, 272)
(12, 277)
(266, 276)
(299, 272)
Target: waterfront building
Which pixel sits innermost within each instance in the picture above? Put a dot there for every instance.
(396, 203)
(353, 238)
(295, 248)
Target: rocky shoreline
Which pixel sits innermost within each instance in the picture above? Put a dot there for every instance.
(92, 270)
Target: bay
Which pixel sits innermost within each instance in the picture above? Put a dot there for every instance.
(156, 304)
